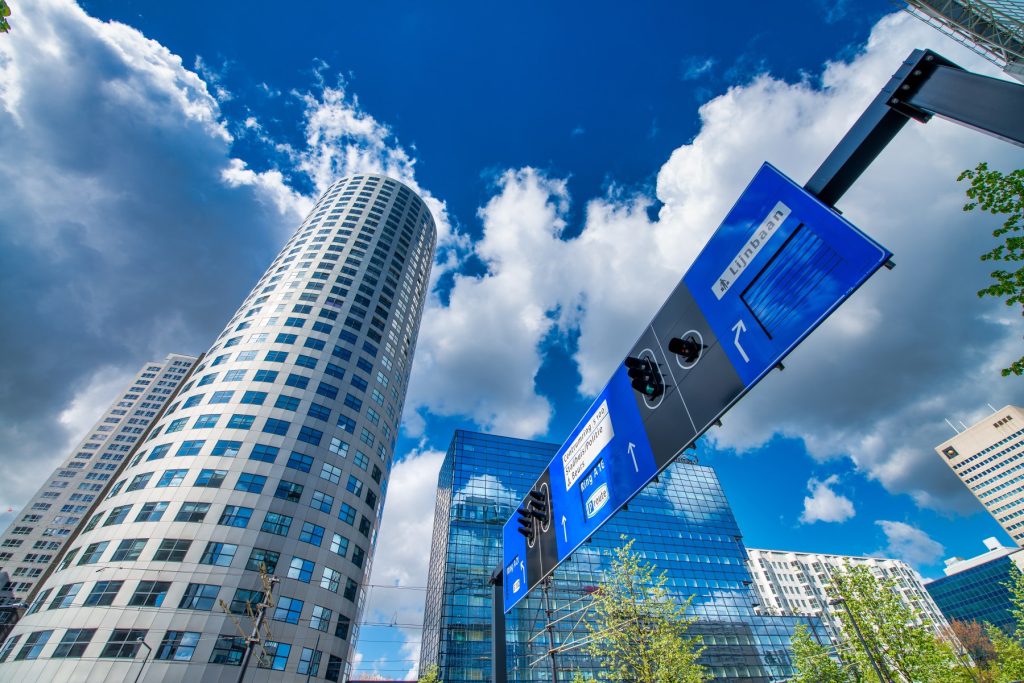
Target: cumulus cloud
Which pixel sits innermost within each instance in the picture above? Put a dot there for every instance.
(909, 544)
(401, 561)
(874, 383)
(824, 504)
(130, 230)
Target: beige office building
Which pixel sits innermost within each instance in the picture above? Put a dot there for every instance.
(988, 457)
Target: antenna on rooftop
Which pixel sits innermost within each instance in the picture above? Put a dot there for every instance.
(952, 426)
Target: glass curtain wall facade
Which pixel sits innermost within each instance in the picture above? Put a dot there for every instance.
(978, 593)
(682, 524)
(273, 460)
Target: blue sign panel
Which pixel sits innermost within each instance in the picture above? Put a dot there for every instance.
(763, 290)
(778, 265)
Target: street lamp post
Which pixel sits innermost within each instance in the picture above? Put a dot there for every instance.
(149, 651)
(860, 637)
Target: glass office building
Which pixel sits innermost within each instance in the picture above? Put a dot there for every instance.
(682, 524)
(976, 589)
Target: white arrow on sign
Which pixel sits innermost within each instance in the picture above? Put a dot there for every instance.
(633, 455)
(738, 328)
(565, 534)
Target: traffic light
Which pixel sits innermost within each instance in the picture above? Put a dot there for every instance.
(526, 523)
(689, 348)
(646, 376)
(537, 503)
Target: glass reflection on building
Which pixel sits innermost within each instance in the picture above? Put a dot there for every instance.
(682, 524)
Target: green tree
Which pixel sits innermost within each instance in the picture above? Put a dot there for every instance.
(638, 631)
(890, 639)
(1002, 194)
(430, 676)
(813, 661)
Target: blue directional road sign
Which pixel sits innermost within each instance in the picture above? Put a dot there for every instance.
(779, 264)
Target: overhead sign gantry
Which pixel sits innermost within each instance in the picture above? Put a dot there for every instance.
(779, 264)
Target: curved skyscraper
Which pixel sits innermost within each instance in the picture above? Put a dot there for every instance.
(272, 460)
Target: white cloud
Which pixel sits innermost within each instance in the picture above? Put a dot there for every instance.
(874, 383)
(403, 550)
(824, 504)
(909, 544)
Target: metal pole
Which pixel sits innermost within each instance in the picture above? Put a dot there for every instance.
(149, 651)
(856, 628)
(550, 628)
(499, 668)
(255, 638)
(309, 669)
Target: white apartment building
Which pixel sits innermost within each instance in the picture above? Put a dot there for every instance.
(40, 531)
(988, 457)
(272, 459)
(794, 583)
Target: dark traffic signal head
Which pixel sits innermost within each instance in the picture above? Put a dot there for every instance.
(537, 503)
(645, 376)
(689, 348)
(525, 522)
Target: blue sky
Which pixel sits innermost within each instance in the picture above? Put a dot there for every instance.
(156, 155)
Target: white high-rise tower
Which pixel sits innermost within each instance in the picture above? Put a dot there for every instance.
(273, 460)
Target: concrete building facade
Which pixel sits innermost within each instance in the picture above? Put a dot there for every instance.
(795, 583)
(273, 460)
(988, 457)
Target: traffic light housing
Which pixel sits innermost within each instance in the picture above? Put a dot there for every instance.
(645, 376)
(689, 348)
(539, 508)
(525, 520)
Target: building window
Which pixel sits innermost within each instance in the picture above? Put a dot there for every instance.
(103, 593)
(263, 453)
(228, 449)
(171, 478)
(331, 579)
(74, 642)
(300, 569)
(172, 549)
(149, 594)
(276, 523)
(347, 513)
(178, 646)
(264, 561)
(273, 426)
(300, 462)
(253, 483)
(289, 491)
(309, 661)
(330, 473)
(320, 619)
(34, 644)
(338, 446)
(139, 482)
(218, 554)
(241, 421)
(310, 435)
(286, 403)
(199, 596)
(190, 447)
(312, 534)
(207, 421)
(192, 512)
(151, 512)
(255, 398)
(288, 610)
(274, 655)
(228, 650)
(128, 550)
(93, 552)
(236, 516)
(333, 672)
(322, 502)
(65, 596)
(211, 478)
(117, 515)
(123, 643)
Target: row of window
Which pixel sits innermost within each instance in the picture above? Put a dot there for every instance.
(254, 483)
(176, 646)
